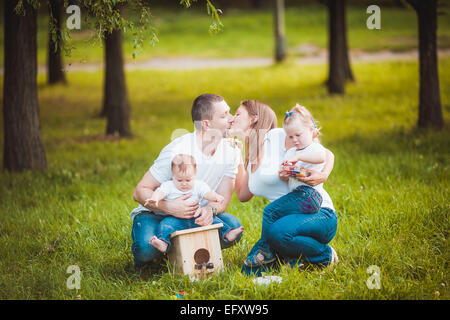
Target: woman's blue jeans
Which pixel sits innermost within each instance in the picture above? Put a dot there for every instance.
(145, 226)
(302, 200)
(293, 235)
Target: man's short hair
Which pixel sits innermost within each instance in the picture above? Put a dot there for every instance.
(203, 108)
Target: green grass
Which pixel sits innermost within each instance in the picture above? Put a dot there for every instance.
(390, 186)
(246, 33)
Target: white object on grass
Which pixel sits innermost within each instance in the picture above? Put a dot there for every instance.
(266, 280)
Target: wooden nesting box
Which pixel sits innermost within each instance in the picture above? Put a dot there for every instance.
(196, 251)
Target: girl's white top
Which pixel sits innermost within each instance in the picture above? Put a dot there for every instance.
(265, 182)
(294, 183)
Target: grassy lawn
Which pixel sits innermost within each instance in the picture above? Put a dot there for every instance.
(246, 33)
(390, 186)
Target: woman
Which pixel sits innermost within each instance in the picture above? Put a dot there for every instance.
(294, 236)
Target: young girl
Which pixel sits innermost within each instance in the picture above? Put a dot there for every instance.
(183, 182)
(308, 153)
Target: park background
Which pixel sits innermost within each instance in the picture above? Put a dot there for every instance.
(389, 184)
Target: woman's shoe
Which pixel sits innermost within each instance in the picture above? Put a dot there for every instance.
(255, 261)
(334, 258)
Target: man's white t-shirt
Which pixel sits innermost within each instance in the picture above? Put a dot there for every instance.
(210, 169)
(198, 191)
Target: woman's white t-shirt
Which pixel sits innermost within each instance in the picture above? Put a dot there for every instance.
(265, 182)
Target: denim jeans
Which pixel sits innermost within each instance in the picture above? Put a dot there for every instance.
(302, 200)
(298, 238)
(171, 224)
(145, 226)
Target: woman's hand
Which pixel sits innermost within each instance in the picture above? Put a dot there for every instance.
(313, 177)
(283, 175)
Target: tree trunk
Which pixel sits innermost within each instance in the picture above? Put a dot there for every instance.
(55, 64)
(23, 147)
(257, 4)
(339, 64)
(115, 102)
(280, 38)
(348, 69)
(430, 112)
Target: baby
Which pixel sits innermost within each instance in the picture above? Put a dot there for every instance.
(183, 182)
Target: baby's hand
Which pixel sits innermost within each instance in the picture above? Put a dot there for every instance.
(290, 162)
(219, 198)
(197, 213)
(153, 203)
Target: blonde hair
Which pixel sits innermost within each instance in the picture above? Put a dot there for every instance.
(267, 120)
(300, 113)
(182, 162)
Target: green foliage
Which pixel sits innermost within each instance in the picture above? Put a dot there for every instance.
(245, 34)
(106, 16)
(390, 186)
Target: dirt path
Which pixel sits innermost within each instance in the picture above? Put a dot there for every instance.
(309, 55)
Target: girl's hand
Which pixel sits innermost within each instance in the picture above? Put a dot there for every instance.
(284, 175)
(313, 178)
(292, 161)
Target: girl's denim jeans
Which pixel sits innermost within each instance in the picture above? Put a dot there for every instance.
(145, 226)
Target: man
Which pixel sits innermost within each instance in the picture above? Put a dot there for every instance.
(217, 163)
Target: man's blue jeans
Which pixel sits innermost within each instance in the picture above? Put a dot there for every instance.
(171, 224)
(145, 226)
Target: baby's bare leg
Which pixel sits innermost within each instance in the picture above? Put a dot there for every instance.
(234, 233)
(159, 244)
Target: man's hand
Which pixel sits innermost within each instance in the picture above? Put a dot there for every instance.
(314, 178)
(206, 216)
(180, 208)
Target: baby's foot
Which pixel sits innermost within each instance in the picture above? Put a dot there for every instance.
(234, 233)
(159, 244)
